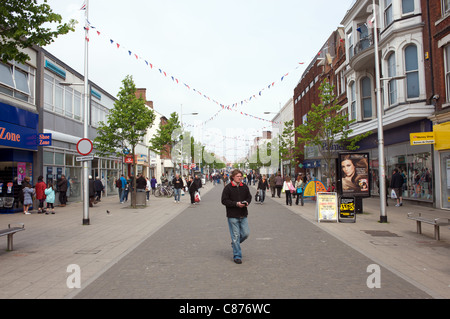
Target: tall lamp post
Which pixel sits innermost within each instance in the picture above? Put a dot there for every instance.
(85, 127)
(181, 120)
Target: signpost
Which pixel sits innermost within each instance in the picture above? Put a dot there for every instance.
(85, 147)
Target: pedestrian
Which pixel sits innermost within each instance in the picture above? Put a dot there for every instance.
(123, 182)
(40, 193)
(272, 184)
(91, 191)
(28, 192)
(299, 189)
(148, 186)
(98, 187)
(236, 197)
(279, 183)
(50, 197)
(198, 181)
(396, 185)
(62, 189)
(262, 186)
(192, 188)
(288, 188)
(141, 183)
(178, 185)
(119, 187)
(153, 183)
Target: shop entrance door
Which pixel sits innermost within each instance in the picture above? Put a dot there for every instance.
(445, 179)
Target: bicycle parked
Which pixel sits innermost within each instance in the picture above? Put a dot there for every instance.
(162, 190)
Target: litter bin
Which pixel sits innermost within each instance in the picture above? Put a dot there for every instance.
(141, 198)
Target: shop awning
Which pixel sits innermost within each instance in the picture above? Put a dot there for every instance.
(311, 163)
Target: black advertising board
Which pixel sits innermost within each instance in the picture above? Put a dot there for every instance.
(347, 209)
(353, 174)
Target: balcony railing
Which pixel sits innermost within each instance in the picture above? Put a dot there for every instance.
(363, 44)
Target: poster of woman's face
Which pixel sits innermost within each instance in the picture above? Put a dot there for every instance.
(354, 173)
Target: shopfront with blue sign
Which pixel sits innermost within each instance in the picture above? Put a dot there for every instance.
(19, 141)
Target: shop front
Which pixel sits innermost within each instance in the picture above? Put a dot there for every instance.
(415, 162)
(442, 163)
(18, 144)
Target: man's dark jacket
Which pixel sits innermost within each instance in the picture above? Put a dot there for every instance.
(397, 180)
(232, 194)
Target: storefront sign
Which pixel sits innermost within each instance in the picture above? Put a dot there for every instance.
(17, 136)
(327, 207)
(44, 139)
(422, 138)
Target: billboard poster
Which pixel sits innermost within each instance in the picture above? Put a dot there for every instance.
(353, 172)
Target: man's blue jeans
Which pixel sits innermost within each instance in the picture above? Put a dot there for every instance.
(239, 232)
(177, 193)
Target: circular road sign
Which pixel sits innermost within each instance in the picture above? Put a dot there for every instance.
(85, 146)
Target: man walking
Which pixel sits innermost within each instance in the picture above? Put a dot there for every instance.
(178, 184)
(236, 197)
(396, 185)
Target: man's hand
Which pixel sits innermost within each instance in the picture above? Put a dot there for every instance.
(239, 204)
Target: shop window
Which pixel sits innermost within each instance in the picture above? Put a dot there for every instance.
(412, 71)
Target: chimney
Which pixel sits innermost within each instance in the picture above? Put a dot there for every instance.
(142, 93)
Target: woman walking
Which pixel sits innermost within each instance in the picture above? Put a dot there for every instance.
(299, 189)
(28, 192)
(192, 187)
(288, 189)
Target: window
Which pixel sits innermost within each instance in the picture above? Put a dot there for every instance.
(412, 71)
(392, 84)
(407, 6)
(387, 12)
(447, 71)
(445, 7)
(350, 44)
(366, 90)
(352, 101)
(17, 80)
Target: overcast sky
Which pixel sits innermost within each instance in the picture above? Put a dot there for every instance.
(226, 50)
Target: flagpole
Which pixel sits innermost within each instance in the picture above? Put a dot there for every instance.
(86, 109)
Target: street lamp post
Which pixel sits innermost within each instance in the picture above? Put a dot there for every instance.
(181, 120)
(85, 128)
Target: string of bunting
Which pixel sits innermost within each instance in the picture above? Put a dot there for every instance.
(176, 80)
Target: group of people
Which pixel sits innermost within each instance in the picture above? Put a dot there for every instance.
(44, 193)
(149, 185)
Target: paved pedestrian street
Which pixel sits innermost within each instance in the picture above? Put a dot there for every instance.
(286, 256)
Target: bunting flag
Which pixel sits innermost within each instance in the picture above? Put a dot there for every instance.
(176, 80)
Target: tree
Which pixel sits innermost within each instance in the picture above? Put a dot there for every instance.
(327, 127)
(163, 141)
(126, 126)
(288, 149)
(22, 26)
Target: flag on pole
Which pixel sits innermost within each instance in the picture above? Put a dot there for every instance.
(83, 7)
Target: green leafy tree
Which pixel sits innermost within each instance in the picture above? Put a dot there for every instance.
(126, 126)
(163, 141)
(23, 23)
(327, 127)
(288, 149)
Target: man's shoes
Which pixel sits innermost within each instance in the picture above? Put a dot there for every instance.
(238, 261)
